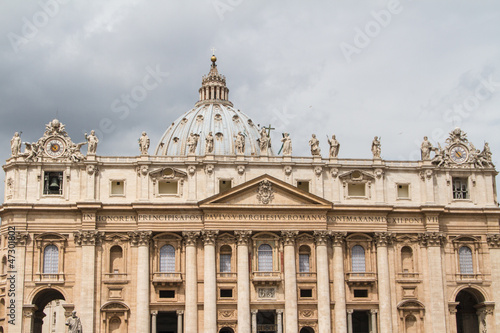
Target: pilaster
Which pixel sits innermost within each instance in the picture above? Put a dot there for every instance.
(291, 316)
(191, 303)
(242, 238)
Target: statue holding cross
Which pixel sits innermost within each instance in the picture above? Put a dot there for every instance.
(265, 140)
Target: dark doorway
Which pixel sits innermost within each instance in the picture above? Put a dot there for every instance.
(226, 330)
(360, 322)
(166, 322)
(306, 330)
(467, 321)
(266, 322)
(41, 300)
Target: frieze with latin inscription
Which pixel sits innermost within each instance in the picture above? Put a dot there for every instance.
(150, 218)
(266, 217)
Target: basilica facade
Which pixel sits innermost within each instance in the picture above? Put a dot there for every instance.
(216, 232)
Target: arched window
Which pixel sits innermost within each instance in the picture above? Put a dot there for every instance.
(358, 259)
(265, 259)
(304, 259)
(411, 324)
(167, 259)
(407, 259)
(114, 325)
(465, 258)
(50, 259)
(116, 259)
(225, 259)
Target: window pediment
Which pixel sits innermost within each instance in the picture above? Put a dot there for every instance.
(357, 176)
(167, 173)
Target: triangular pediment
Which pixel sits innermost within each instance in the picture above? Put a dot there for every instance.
(265, 191)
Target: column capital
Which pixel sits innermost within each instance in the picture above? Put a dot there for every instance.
(289, 237)
(322, 236)
(154, 313)
(190, 237)
(87, 237)
(350, 311)
(383, 238)
(242, 236)
(254, 312)
(279, 311)
(21, 238)
(373, 311)
(140, 238)
(338, 238)
(209, 236)
(432, 239)
(493, 241)
(179, 312)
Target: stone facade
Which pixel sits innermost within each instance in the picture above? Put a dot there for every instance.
(196, 242)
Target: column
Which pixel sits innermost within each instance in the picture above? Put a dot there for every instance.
(141, 239)
(494, 246)
(433, 241)
(19, 239)
(191, 303)
(254, 321)
(87, 239)
(338, 283)
(452, 307)
(179, 320)
(91, 170)
(382, 239)
(153, 321)
(242, 238)
(291, 317)
(373, 314)
(323, 281)
(279, 321)
(210, 282)
(349, 320)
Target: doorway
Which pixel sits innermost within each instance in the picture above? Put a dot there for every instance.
(467, 320)
(266, 322)
(41, 300)
(166, 322)
(361, 322)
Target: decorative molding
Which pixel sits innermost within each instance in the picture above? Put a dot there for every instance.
(227, 314)
(432, 239)
(493, 241)
(88, 237)
(379, 173)
(21, 238)
(190, 237)
(318, 170)
(384, 238)
(191, 169)
(241, 169)
(265, 192)
(92, 170)
(338, 238)
(287, 169)
(140, 238)
(209, 236)
(334, 172)
(209, 169)
(322, 236)
(289, 237)
(242, 236)
(266, 292)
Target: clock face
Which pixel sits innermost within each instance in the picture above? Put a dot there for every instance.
(54, 147)
(459, 154)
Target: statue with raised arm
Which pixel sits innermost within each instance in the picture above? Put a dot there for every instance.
(425, 149)
(192, 142)
(334, 146)
(92, 140)
(144, 143)
(376, 147)
(314, 143)
(15, 144)
(209, 143)
(75, 155)
(74, 324)
(287, 144)
(264, 141)
(240, 143)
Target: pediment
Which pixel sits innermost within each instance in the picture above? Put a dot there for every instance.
(265, 191)
(357, 176)
(167, 173)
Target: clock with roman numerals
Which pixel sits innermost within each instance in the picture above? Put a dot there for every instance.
(459, 154)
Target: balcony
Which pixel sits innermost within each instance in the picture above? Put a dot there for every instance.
(361, 278)
(469, 278)
(269, 278)
(306, 277)
(407, 277)
(267, 328)
(161, 278)
(45, 278)
(227, 276)
(115, 278)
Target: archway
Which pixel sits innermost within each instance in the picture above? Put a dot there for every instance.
(467, 320)
(41, 299)
(226, 330)
(306, 330)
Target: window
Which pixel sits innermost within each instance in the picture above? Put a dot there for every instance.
(115, 259)
(465, 258)
(363, 293)
(50, 259)
(407, 259)
(227, 293)
(265, 258)
(304, 255)
(167, 187)
(225, 259)
(167, 259)
(356, 189)
(306, 293)
(224, 185)
(117, 187)
(4, 265)
(358, 259)
(403, 191)
(53, 183)
(303, 185)
(460, 188)
(167, 293)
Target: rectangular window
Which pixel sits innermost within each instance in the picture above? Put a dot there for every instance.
(361, 293)
(167, 293)
(225, 263)
(460, 188)
(403, 191)
(53, 183)
(304, 263)
(303, 185)
(117, 187)
(167, 187)
(356, 189)
(224, 185)
(226, 293)
(306, 293)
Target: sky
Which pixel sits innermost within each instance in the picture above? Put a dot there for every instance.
(400, 70)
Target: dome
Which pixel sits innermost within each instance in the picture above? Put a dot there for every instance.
(214, 119)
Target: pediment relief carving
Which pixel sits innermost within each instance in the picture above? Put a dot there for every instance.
(115, 306)
(115, 237)
(357, 176)
(167, 173)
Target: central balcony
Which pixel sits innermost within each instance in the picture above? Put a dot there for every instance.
(44, 278)
(161, 278)
(266, 278)
(361, 278)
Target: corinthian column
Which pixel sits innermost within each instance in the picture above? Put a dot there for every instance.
(382, 239)
(291, 317)
(323, 281)
(210, 283)
(244, 325)
(494, 245)
(141, 239)
(191, 307)
(338, 283)
(87, 239)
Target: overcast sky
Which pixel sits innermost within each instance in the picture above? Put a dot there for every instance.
(396, 69)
